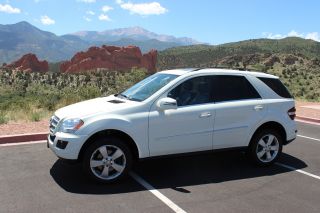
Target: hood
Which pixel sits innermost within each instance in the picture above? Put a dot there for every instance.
(98, 105)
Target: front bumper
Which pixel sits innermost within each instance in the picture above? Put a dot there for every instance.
(72, 150)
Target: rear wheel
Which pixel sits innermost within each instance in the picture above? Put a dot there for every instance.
(265, 147)
(107, 160)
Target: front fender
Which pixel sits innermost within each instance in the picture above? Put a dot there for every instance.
(138, 131)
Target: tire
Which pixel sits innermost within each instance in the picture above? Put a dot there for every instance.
(107, 160)
(265, 147)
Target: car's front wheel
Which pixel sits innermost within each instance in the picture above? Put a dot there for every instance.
(265, 147)
(107, 160)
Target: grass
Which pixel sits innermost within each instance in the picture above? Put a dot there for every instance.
(35, 96)
(3, 118)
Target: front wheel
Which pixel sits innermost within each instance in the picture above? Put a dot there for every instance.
(265, 147)
(107, 160)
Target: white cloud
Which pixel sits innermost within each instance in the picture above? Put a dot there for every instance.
(88, 1)
(90, 12)
(104, 17)
(293, 33)
(46, 20)
(313, 35)
(106, 8)
(7, 8)
(87, 18)
(152, 8)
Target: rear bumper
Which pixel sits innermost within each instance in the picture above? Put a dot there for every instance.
(289, 141)
(292, 136)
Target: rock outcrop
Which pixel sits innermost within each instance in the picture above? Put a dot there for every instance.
(29, 63)
(290, 60)
(111, 58)
(272, 60)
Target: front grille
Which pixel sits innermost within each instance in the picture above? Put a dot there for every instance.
(53, 123)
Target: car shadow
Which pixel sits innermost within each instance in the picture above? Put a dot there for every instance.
(173, 172)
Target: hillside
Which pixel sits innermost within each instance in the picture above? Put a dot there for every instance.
(296, 61)
(208, 55)
(22, 38)
(31, 96)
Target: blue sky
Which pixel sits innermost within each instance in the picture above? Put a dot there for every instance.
(208, 21)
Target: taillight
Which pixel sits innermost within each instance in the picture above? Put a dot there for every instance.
(292, 113)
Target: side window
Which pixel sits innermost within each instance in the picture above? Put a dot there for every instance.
(231, 88)
(276, 85)
(193, 91)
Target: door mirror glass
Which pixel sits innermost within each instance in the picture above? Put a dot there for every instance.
(167, 103)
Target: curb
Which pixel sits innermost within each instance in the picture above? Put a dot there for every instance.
(308, 119)
(23, 137)
(43, 135)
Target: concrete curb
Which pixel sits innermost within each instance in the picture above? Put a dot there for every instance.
(23, 137)
(308, 119)
(43, 135)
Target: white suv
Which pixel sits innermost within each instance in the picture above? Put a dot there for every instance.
(173, 112)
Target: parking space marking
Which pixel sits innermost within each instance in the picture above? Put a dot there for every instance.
(302, 136)
(22, 143)
(298, 170)
(156, 193)
(307, 122)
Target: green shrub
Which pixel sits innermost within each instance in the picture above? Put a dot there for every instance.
(35, 116)
(32, 96)
(3, 118)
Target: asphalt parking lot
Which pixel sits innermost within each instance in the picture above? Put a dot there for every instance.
(33, 180)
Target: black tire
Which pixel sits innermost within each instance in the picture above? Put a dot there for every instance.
(255, 148)
(111, 143)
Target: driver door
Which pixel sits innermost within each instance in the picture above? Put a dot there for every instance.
(188, 128)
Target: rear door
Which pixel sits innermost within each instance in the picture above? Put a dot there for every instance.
(238, 107)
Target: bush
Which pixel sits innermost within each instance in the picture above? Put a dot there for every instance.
(3, 118)
(35, 116)
(26, 96)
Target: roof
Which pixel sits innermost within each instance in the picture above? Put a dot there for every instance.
(184, 71)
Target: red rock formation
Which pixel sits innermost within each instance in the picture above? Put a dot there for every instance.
(29, 63)
(112, 58)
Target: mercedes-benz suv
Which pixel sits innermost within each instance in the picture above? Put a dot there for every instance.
(173, 112)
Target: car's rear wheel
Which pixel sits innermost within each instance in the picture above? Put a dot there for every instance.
(265, 147)
(107, 160)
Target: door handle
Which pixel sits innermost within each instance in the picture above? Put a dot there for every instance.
(205, 114)
(258, 107)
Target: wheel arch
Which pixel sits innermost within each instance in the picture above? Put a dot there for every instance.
(271, 125)
(110, 133)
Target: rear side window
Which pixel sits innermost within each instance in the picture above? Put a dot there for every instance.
(232, 88)
(277, 86)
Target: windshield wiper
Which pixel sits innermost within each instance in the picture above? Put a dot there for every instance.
(123, 96)
(120, 95)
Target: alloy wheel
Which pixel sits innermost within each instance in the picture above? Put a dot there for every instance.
(108, 162)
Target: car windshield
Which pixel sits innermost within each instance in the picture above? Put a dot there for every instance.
(147, 87)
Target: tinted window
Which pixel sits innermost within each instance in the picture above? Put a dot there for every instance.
(193, 91)
(230, 88)
(276, 85)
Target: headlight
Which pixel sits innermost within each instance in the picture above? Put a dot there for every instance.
(71, 125)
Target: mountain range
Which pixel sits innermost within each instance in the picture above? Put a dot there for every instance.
(22, 37)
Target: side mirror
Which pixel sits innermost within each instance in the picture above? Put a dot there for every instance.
(167, 103)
